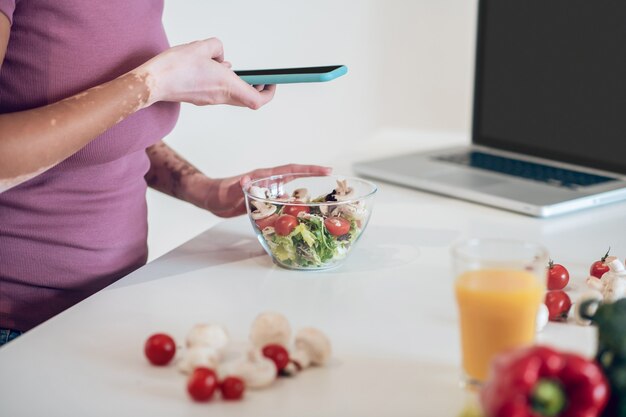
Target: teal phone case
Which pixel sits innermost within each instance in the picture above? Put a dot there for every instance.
(295, 78)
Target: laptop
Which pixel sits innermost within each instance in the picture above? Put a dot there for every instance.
(549, 113)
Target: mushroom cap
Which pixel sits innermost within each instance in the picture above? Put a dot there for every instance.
(301, 194)
(315, 343)
(198, 356)
(260, 192)
(614, 264)
(208, 334)
(263, 210)
(270, 328)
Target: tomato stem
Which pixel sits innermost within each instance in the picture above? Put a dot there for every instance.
(606, 255)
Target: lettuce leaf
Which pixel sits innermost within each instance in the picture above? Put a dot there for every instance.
(310, 243)
(283, 248)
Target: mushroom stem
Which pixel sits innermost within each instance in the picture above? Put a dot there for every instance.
(256, 370)
(198, 356)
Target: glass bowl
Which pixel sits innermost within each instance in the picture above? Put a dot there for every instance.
(309, 222)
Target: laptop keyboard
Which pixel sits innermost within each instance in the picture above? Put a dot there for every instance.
(529, 170)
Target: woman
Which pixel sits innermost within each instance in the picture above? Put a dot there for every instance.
(87, 91)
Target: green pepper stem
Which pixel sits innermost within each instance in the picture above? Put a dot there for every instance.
(548, 398)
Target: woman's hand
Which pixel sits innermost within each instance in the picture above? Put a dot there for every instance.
(224, 197)
(172, 174)
(197, 73)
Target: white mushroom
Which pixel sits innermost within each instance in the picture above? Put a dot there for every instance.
(343, 192)
(270, 328)
(259, 192)
(268, 232)
(543, 314)
(263, 210)
(301, 194)
(208, 335)
(197, 356)
(610, 288)
(256, 370)
(304, 215)
(327, 209)
(614, 281)
(353, 211)
(312, 347)
(594, 283)
(612, 285)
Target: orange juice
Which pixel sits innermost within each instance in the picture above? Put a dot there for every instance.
(497, 309)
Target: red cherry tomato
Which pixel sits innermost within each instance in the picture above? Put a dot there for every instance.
(278, 354)
(599, 268)
(285, 224)
(266, 222)
(559, 304)
(159, 349)
(202, 384)
(232, 388)
(294, 210)
(337, 226)
(558, 277)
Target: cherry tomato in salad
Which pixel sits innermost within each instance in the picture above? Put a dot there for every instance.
(599, 268)
(278, 354)
(559, 304)
(295, 210)
(266, 222)
(558, 276)
(202, 384)
(337, 226)
(160, 349)
(232, 388)
(285, 224)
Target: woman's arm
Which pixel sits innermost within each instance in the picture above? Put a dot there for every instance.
(35, 140)
(173, 175)
(5, 29)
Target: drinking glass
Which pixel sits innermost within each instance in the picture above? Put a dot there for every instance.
(499, 286)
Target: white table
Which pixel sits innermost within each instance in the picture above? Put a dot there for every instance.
(389, 311)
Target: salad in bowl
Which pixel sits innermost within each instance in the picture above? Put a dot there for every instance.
(309, 222)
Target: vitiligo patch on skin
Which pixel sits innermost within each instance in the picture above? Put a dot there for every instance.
(31, 147)
(168, 171)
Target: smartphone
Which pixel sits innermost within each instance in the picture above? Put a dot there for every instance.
(292, 75)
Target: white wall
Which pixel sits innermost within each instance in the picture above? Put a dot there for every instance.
(410, 66)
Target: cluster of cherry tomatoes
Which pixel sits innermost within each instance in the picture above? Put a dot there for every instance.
(160, 349)
(203, 382)
(557, 300)
(284, 223)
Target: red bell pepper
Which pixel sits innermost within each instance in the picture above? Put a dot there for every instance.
(541, 382)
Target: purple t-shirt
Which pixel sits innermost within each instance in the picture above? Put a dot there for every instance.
(81, 225)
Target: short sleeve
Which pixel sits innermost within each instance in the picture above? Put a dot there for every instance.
(7, 7)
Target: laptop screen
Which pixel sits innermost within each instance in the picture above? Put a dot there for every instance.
(551, 80)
